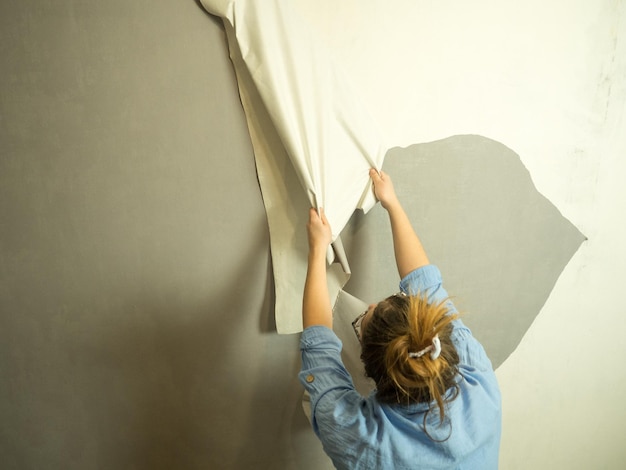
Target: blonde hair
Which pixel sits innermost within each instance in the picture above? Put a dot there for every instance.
(401, 325)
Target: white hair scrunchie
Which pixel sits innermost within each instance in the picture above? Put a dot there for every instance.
(434, 349)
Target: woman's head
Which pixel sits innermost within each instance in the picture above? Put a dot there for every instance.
(396, 338)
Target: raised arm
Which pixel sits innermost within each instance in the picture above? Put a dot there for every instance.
(407, 246)
(316, 308)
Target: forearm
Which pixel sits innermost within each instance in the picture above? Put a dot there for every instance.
(316, 308)
(408, 249)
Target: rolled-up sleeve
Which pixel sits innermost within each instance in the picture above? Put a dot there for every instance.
(323, 374)
(425, 281)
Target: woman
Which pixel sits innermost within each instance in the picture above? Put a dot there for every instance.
(436, 402)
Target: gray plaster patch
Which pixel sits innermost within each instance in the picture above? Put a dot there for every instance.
(499, 243)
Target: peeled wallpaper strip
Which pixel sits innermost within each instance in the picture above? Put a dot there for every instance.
(308, 132)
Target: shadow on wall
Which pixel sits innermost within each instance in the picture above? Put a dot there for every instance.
(500, 244)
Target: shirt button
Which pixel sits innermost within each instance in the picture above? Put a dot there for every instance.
(309, 378)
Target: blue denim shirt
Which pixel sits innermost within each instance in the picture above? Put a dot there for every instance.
(361, 433)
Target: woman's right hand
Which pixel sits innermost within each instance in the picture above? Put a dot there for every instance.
(383, 188)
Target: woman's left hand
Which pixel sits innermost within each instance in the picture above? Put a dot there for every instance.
(318, 230)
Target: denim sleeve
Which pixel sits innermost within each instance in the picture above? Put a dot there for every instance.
(335, 403)
(427, 281)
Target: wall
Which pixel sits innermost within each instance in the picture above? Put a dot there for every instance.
(135, 284)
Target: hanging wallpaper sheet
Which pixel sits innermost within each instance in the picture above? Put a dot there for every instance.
(314, 142)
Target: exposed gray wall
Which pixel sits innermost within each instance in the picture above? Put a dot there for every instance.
(499, 243)
(136, 321)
